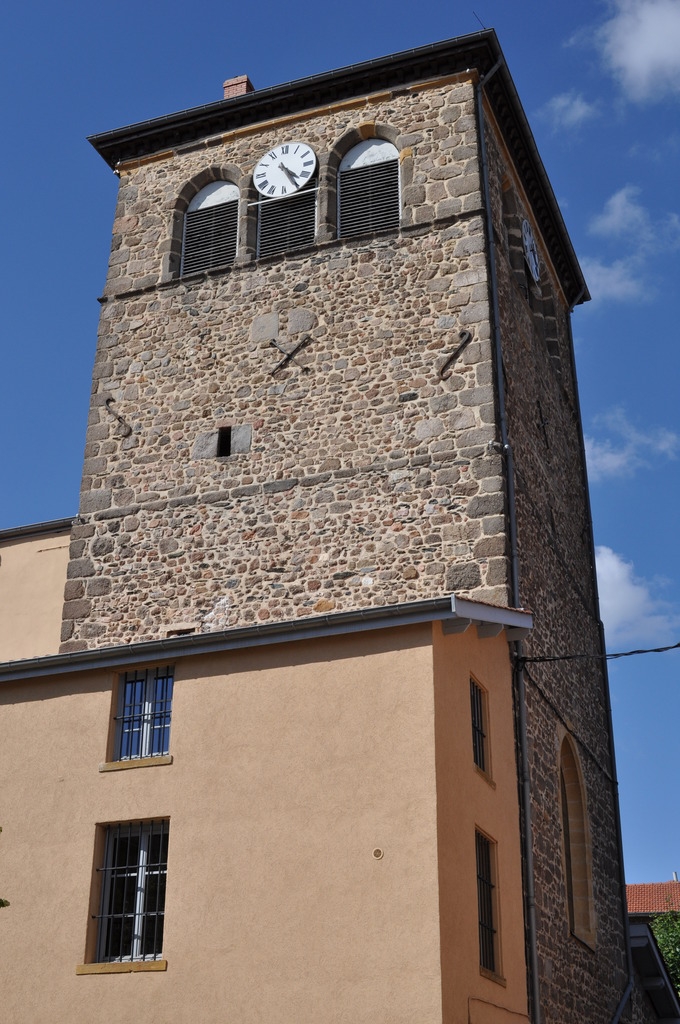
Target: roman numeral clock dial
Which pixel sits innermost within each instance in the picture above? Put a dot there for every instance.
(284, 170)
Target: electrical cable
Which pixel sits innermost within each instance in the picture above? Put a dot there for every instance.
(600, 657)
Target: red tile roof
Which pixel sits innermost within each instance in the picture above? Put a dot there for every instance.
(653, 897)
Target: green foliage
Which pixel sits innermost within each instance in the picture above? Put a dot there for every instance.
(666, 928)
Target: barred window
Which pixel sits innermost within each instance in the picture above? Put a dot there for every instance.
(486, 899)
(144, 712)
(478, 713)
(133, 892)
(211, 228)
(368, 189)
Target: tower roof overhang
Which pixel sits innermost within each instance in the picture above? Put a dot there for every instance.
(478, 53)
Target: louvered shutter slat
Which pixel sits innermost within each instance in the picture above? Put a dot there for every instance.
(287, 223)
(369, 199)
(210, 237)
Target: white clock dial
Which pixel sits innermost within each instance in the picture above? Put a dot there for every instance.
(285, 169)
(530, 250)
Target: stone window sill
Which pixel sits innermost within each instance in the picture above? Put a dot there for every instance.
(137, 762)
(485, 775)
(492, 976)
(123, 967)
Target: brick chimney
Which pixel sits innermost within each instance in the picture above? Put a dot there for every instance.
(237, 86)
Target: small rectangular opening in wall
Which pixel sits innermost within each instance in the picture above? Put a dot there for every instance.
(223, 442)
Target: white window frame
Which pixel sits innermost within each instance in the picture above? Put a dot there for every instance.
(146, 714)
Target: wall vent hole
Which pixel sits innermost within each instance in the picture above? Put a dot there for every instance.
(223, 442)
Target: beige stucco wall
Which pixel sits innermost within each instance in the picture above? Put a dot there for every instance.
(469, 800)
(291, 766)
(32, 577)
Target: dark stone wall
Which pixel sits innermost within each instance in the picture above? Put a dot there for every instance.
(579, 980)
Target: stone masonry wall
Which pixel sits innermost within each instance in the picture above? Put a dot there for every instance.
(578, 981)
(363, 473)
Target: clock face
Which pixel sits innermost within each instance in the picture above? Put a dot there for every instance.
(530, 250)
(284, 169)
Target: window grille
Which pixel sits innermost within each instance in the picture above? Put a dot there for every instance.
(133, 892)
(485, 900)
(368, 198)
(144, 712)
(285, 224)
(210, 237)
(477, 701)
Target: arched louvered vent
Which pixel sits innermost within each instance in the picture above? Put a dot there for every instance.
(369, 199)
(368, 189)
(288, 223)
(211, 228)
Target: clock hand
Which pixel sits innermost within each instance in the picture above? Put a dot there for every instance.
(291, 174)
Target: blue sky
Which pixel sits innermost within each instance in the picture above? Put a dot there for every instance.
(600, 82)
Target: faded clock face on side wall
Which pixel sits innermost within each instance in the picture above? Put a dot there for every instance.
(530, 250)
(284, 170)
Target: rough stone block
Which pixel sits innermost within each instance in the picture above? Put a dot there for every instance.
(80, 567)
(485, 505)
(301, 319)
(73, 589)
(497, 572)
(205, 446)
(77, 609)
(95, 501)
(101, 546)
(264, 327)
(98, 587)
(426, 429)
(463, 576)
(241, 438)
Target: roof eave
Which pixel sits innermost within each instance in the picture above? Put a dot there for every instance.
(479, 52)
(455, 614)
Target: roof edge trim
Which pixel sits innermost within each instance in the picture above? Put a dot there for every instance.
(450, 609)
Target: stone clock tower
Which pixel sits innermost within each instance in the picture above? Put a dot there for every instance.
(334, 383)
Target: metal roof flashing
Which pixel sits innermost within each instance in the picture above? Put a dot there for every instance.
(455, 614)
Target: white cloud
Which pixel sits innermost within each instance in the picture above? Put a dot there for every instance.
(568, 110)
(622, 215)
(624, 219)
(632, 612)
(620, 280)
(630, 450)
(640, 44)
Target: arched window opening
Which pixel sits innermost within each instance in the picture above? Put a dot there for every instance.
(210, 228)
(576, 846)
(368, 189)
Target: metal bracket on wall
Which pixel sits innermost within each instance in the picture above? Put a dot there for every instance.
(126, 429)
(289, 357)
(465, 339)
